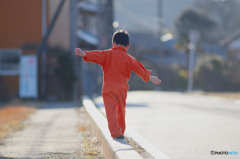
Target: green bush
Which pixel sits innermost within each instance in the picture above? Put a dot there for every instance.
(173, 77)
(211, 73)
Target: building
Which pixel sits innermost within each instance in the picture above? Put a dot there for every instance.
(23, 24)
(94, 31)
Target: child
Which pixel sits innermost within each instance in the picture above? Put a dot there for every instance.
(117, 66)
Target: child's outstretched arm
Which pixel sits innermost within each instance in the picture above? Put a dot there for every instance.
(155, 80)
(95, 56)
(79, 52)
(140, 70)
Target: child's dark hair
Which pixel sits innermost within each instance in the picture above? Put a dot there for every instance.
(121, 37)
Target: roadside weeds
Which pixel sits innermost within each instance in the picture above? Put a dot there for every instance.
(138, 148)
(227, 95)
(90, 146)
(11, 119)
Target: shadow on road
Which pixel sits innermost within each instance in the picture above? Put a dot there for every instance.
(137, 105)
(122, 141)
(101, 105)
(2, 157)
(58, 105)
(44, 155)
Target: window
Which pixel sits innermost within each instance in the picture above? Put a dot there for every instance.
(9, 61)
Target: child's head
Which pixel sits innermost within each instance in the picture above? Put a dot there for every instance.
(121, 37)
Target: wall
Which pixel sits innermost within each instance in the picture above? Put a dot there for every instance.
(60, 35)
(20, 22)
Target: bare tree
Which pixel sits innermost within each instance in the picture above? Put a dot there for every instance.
(225, 13)
(193, 19)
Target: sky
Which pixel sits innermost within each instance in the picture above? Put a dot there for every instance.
(142, 15)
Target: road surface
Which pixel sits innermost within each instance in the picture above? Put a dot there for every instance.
(186, 126)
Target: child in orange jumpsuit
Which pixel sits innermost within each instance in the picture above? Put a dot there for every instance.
(117, 66)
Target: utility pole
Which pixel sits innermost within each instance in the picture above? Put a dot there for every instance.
(43, 43)
(73, 26)
(44, 30)
(190, 67)
(73, 45)
(193, 38)
(160, 25)
(108, 20)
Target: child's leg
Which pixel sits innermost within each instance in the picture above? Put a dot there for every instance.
(121, 117)
(110, 103)
(121, 105)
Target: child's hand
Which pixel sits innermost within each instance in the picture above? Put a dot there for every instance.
(79, 52)
(155, 80)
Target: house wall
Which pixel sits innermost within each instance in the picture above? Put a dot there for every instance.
(60, 35)
(20, 22)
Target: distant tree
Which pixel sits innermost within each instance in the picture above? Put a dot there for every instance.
(193, 19)
(225, 13)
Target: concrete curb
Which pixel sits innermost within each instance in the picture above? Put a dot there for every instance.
(146, 145)
(112, 149)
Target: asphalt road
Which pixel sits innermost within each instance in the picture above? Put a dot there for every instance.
(186, 126)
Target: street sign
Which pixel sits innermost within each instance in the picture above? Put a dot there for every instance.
(28, 77)
(193, 36)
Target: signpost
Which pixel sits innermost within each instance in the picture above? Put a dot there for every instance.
(28, 77)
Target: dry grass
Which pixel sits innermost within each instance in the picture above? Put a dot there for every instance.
(11, 118)
(227, 95)
(138, 148)
(91, 147)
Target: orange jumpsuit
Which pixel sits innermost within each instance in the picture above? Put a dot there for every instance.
(117, 66)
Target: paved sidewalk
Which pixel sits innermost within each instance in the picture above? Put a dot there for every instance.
(50, 133)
